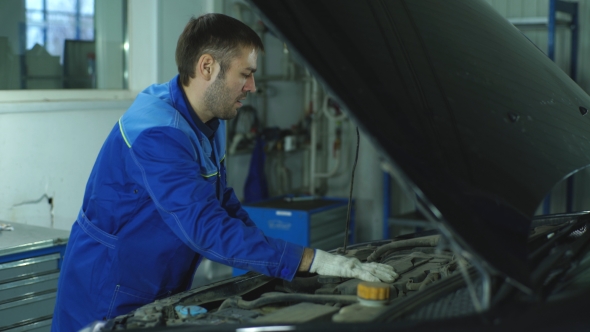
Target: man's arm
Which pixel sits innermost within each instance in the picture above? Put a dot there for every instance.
(164, 162)
(234, 208)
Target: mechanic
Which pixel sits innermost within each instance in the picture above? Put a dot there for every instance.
(156, 201)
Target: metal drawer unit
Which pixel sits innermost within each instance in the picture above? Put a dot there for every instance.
(30, 260)
(316, 222)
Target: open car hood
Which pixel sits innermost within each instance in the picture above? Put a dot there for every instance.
(469, 112)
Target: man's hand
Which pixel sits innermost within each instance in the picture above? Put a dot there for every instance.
(334, 265)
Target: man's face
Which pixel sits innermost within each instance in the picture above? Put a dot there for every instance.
(223, 97)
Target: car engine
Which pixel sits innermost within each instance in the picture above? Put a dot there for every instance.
(258, 299)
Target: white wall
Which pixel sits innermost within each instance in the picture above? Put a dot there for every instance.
(142, 18)
(109, 39)
(50, 152)
(368, 182)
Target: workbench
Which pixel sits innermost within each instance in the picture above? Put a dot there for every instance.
(30, 261)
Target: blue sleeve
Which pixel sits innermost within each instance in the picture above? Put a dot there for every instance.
(234, 208)
(164, 162)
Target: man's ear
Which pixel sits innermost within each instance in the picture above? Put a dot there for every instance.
(205, 66)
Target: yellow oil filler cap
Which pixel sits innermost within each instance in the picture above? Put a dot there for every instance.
(373, 294)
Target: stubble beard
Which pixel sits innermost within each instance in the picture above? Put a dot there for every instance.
(219, 101)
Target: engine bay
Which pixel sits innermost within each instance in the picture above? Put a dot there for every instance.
(254, 298)
(433, 283)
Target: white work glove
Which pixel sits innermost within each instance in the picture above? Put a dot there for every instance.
(347, 267)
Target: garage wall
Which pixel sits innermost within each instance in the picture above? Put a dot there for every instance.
(47, 153)
(368, 183)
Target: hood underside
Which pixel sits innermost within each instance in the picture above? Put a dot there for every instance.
(470, 111)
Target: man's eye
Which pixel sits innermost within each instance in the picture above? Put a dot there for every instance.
(246, 75)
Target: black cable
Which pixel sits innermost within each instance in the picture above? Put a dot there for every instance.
(356, 157)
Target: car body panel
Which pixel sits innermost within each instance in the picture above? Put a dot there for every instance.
(469, 111)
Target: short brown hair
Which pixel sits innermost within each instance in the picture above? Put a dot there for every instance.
(219, 35)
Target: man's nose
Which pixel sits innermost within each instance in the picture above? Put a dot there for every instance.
(250, 84)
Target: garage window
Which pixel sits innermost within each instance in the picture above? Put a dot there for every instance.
(62, 44)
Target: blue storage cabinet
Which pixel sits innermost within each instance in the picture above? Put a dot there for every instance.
(316, 222)
(30, 263)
